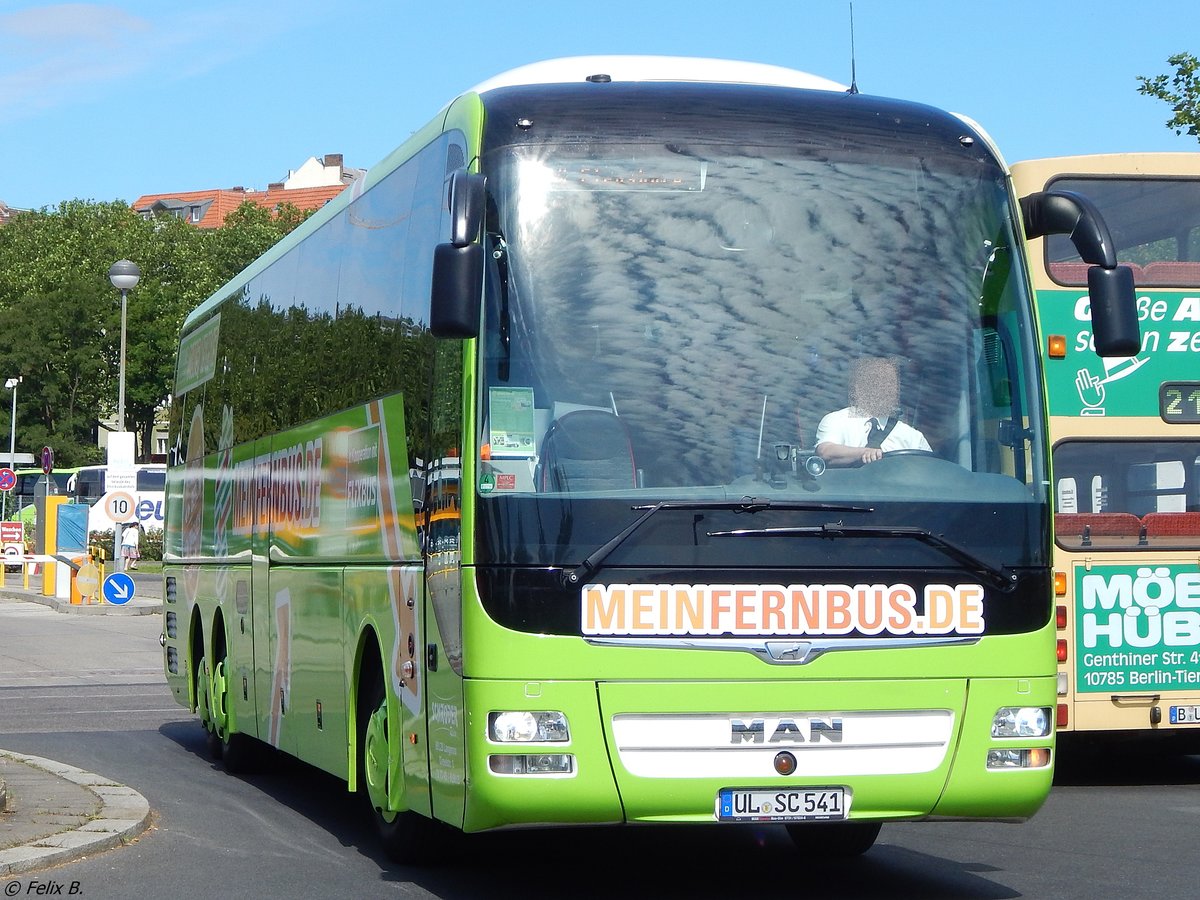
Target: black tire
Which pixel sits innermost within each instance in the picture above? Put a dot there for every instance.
(407, 838)
(239, 752)
(837, 840)
(204, 707)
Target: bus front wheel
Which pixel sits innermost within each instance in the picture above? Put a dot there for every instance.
(407, 837)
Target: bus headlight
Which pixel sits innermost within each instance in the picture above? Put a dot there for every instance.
(1021, 721)
(520, 727)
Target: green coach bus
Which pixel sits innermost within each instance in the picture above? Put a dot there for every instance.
(492, 491)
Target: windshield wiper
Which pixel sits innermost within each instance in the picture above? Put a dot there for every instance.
(596, 558)
(999, 577)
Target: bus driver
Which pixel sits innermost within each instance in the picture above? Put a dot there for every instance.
(866, 429)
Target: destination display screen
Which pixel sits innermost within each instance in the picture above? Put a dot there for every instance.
(1179, 402)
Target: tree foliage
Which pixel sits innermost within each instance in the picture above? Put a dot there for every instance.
(63, 317)
(1181, 91)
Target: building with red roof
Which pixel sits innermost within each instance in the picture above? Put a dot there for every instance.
(310, 187)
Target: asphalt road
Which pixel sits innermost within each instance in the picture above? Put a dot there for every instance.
(87, 691)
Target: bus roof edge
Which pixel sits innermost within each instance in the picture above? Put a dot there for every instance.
(657, 68)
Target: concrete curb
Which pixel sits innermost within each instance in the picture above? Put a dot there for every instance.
(123, 815)
(147, 607)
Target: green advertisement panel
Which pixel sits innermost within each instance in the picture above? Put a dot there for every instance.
(1084, 384)
(1137, 628)
(338, 488)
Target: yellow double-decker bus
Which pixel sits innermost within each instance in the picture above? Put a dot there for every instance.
(1125, 434)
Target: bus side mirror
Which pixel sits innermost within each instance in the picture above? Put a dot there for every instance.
(458, 265)
(1114, 315)
(1110, 286)
(457, 291)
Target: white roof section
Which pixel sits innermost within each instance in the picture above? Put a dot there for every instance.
(657, 68)
(991, 143)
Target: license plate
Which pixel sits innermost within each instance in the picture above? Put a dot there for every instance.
(774, 805)
(1185, 715)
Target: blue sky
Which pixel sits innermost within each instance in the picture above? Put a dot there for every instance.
(108, 101)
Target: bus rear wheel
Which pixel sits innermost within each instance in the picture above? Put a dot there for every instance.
(204, 707)
(824, 840)
(237, 751)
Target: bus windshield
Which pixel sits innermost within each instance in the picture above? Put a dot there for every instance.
(1127, 494)
(1155, 226)
(89, 484)
(675, 320)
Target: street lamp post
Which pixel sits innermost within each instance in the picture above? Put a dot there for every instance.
(11, 385)
(124, 276)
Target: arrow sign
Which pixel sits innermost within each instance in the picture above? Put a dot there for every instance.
(8, 479)
(118, 588)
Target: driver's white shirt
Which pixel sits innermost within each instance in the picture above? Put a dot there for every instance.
(846, 426)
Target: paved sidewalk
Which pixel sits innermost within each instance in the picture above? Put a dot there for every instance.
(145, 601)
(51, 813)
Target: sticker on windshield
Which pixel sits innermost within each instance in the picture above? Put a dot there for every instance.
(796, 609)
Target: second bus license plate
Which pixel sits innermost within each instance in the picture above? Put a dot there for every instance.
(1184, 715)
(776, 805)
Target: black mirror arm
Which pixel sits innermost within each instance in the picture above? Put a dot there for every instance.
(1066, 212)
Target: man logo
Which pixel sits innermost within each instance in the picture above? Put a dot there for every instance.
(786, 731)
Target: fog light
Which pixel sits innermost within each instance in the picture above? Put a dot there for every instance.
(527, 727)
(1034, 758)
(532, 764)
(1021, 721)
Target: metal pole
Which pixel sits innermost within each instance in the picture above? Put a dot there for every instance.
(121, 371)
(12, 437)
(124, 276)
(12, 441)
(118, 530)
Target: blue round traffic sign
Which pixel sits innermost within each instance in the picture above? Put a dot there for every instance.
(47, 460)
(117, 588)
(8, 479)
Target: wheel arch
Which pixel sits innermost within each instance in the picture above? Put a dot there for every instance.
(367, 664)
(195, 652)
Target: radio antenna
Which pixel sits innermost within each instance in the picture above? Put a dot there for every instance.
(853, 73)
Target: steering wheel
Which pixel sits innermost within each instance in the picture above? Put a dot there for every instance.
(909, 451)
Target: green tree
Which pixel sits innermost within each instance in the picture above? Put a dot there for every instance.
(64, 317)
(1181, 91)
(248, 232)
(59, 312)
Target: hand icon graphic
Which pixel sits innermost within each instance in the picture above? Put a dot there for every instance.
(1091, 391)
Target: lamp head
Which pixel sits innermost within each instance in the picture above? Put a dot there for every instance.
(124, 275)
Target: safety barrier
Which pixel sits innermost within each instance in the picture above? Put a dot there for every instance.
(31, 567)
